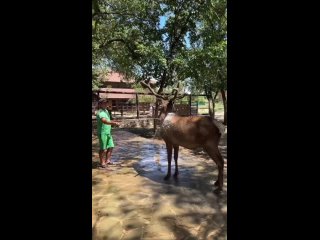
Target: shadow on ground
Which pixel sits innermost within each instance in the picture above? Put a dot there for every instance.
(135, 202)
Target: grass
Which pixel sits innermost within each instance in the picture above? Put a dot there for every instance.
(219, 106)
(203, 109)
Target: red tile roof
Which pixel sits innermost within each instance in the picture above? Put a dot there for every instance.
(118, 90)
(115, 77)
(116, 95)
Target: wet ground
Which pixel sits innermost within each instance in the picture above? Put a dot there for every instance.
(132, 201)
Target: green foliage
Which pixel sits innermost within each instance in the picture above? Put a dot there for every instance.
(191, 46)
(143, 98)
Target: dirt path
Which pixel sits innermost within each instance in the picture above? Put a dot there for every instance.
(132, 201)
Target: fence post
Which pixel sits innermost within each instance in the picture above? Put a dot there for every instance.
(137, 105)
(190, 104)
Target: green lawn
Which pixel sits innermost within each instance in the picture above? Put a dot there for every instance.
(203, 108)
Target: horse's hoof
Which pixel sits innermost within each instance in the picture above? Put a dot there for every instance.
(217, 191)
(216, 183)
(166, 177)
(175, 175)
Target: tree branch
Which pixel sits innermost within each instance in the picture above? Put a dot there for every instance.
(118, 40)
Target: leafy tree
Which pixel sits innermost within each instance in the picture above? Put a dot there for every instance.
(190, 45)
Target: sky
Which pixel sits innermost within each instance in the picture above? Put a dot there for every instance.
(163, 20)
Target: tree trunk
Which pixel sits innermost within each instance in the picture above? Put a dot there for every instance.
(212, 104)
(156, 111)
(224, 99)
(156, 120)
